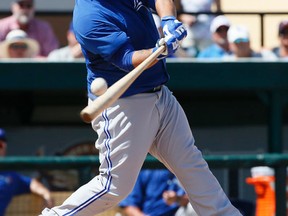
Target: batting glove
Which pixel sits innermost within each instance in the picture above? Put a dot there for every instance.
(171, 26)
(171, 45)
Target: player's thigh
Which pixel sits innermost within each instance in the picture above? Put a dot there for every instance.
(174, 125)
(174, 145)
(125, 133)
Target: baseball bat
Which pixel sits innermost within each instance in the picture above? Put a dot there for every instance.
(115, 91)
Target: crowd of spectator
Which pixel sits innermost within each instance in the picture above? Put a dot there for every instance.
(23, 17)
(22, 35)
(209, 36)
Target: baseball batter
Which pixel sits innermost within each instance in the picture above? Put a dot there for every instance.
(116, 36)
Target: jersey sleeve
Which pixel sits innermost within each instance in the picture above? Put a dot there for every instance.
(151, 4)
(108, 41)
(23, 184)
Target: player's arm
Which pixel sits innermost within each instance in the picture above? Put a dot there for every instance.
(173, 30)
(172, 27)
(140, 55)
(38, 188)
(165, 8)
(171, 197)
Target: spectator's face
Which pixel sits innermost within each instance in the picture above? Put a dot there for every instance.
(23, 10)
(241, 49)
(18, 50)
(3, 147)
(284, 37)
(220, 36)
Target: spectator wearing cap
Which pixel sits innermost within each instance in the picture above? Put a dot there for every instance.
(220, 47)
(18, 45)
(239, 42)
(23, 18)
(12, 183)
(282, 50)
(70, 52)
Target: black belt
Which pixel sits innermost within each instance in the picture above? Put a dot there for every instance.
(155, 89)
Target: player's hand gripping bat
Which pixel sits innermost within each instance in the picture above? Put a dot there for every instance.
(117, 89)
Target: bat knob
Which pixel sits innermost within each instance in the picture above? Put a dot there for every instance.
(86, 117)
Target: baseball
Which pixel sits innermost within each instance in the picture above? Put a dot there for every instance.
(98, 86)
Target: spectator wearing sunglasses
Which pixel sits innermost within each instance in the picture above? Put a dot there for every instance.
(282, 50)
(220, 47)
(18, 45)
(22, 17)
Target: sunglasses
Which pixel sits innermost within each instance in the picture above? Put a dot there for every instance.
(284, 32)
(222, 29)
(18, 46)
(24, 4)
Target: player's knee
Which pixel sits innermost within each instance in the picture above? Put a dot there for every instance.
(119, 187)
(48, 212)
(122, 192)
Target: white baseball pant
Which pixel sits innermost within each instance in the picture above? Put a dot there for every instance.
(127, 131)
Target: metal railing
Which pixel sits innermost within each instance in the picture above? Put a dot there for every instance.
(277, 161)
(78, 162)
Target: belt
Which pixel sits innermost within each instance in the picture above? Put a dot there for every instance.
(155, 89)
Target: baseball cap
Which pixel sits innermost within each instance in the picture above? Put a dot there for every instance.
(282, 26)
(2, 135)
(25, 3)
(17, 1)
(262, 171)
(237, 34)
(219, 21)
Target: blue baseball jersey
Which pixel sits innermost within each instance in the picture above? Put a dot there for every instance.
(11, 184)
(148, 190)
(108, 44)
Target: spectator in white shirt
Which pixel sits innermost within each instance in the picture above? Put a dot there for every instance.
(70, 52)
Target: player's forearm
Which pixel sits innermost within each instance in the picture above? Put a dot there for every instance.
(38, 188)
(165, 8)
(140, 55)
